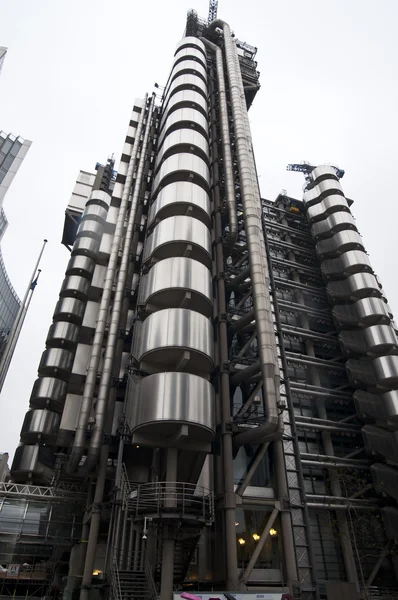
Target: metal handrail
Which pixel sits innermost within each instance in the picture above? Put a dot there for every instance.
(186, 499)
(116, 590)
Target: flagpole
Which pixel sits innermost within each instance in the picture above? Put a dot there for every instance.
(19, 320)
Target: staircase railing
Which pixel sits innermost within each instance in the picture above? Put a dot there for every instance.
(150, 579)
(116, 593)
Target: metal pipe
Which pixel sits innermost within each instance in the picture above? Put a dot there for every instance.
(226, 145)
(240, 278)
(245, 576)
(252, 214)
(243, 374)
(327, 499)
(248, 402)
(106, 375)
(323, 506)
(332, 465)
(96, 350)
(19, 321)
(326, 458)
(229, 501)
(249, 475)
(242, 322)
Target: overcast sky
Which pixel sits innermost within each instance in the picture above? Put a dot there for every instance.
(329, 94)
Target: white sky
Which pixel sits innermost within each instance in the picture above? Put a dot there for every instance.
(329, 94)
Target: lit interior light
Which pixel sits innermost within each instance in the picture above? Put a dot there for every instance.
(241, 541)
(256, 537)
(137, 446)
(236, 523)
(273, 531)
(97, 572)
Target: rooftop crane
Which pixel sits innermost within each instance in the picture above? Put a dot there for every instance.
(213, 6)
(306, 168)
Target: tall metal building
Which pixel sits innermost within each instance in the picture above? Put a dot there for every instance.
(216, 407)
(13, 150)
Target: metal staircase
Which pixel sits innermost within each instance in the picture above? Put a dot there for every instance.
(134, 584)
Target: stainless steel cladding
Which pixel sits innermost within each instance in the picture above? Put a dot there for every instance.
(189, 53)
(174, 339)
(86, 246)
(63, 335)
(70, 309)
(48, 392)
(90, 228)
(56, 362)
(100, 197)
(380, 373)
(182, 118)
(186, 139)
(159, 404)
(81, 265)
(177, 282)
(182, 166)
(97, 212)
(186, 81)
(324, 172)
(385, 479)
(348, 263)
(372, 341)
(189, 66)
(75, 287)
(179, 236)
(327, 207)
(382, 442)
(323, 189)
(40, 425)
(343, 241)
(354, 287)
(184, 99)
(382, 409)
(34, 462)
(338, 221)
(363, 313)
(181, 198)
(190, 41)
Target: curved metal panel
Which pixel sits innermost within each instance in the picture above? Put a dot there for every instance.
(385, 479)
(175, 339)
(373, 341)
(181, 198)
(354, 287)
(100, 196)
(70, 309)
(348, 263)
(186, 81)
(343, 241)
(189, 140)
(383, 408)
(190, 66)
(322, 189)
(81, 265)
(338, 221)
(365, 312)
(180, 167)
(175, 283)
(380, 373)
(40, 424)
(62, 335)
(183, 118)
(191, 41)
(159, 404)
(75, 287)
(179, 236)
(188, 52)
(90, 228)
(48, 392)
(87, 246)
(35, 462)
(380, 441)
(55, 361)
(188, 99)
(326, 207)
(324, 171)
(95, 211)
